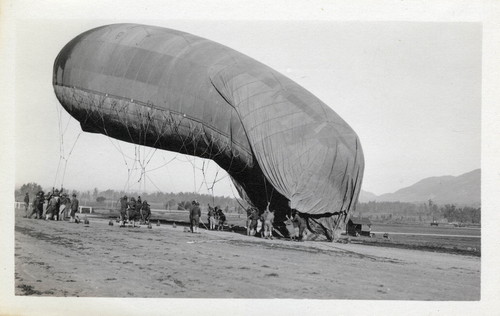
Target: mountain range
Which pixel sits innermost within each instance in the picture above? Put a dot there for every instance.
(464, 189)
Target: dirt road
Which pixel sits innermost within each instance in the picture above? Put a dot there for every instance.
(65, 259)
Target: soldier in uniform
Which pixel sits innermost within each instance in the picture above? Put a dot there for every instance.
(40, 205)
(64, 205)
(26, 204)
(194, 216)
(300, 223)
(138, 208)
(74, 208)
(221, 218)
(123, 209)
(53, 205)
(267, 220)
(252, 218)
(211, 218)
(146, 212)
(36, 203)
(131, 207)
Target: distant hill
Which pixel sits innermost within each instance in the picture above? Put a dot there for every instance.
(460, 190)
(365, 196)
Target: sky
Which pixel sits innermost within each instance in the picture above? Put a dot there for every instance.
(410, 90)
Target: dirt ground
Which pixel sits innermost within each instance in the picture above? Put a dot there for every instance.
(97, 260)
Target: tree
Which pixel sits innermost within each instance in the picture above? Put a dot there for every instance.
(450, 212)
(100, 199)
(31, 188)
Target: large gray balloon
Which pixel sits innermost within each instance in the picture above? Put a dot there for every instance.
(175, 91)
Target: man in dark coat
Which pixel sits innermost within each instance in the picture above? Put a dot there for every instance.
(300, 223)
(64, 206)
(146, 212)
(252, 219)
(194, 217)
(138, 208)
(39, 206)
(74, 208)
(131, 208)
(221, 218)
(53, 206)
(36, 204)
(26, 204)
(123, 209)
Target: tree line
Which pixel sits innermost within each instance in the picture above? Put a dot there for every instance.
(419, 212)
(178, 201)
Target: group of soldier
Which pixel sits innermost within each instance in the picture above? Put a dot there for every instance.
(216, 218)
(295, 224)
(134, 210)
(59, 206)
(266, 221)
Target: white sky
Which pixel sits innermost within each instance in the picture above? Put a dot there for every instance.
(412, 92)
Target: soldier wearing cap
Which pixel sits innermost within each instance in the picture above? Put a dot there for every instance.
(131, 208)
(39, 206)
(123, 208)
(53, 206)
(74, 208)
(145, 211)
(138, 208)
(194, 216)
(36, 205)
(299, 224)
(64, 203)
(26, 204)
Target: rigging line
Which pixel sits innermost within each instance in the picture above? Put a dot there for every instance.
(161, 165)
(124, 123)
(165, 123)
(61, 135)
(154, 151)
(57, 172)
(67, 159)
(64, 173)
(205, 179)
(119, 150)
(194, 175)
(126, 187)
(61, 148)
(153, 183)
(159, 133)
(224, 177)
(217, 180)
(67, 125)
(234, 196)
(146, 134)
(74, 144)
(265, 189)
